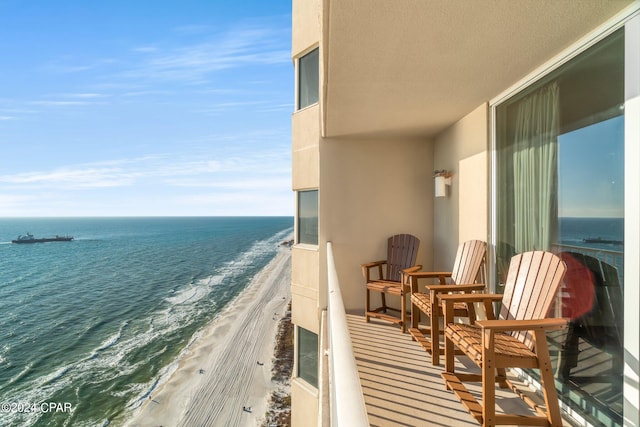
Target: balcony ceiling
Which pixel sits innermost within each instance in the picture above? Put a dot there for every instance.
(414, 67)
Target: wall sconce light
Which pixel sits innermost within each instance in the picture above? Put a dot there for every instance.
(442, 180)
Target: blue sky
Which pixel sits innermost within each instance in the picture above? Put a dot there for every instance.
(145, 107)
(591, 165)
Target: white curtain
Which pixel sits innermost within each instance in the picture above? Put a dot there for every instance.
(535, 169)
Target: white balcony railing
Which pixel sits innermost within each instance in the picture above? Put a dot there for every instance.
(346, 399)
(614, 258)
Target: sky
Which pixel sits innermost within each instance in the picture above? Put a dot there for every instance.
(145, 108)
(591, 171)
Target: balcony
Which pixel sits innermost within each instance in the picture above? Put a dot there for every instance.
(401, 387)
(398, 384)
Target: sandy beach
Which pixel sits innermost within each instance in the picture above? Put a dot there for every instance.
(228, 366)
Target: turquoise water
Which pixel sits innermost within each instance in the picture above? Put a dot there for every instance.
(91, 325)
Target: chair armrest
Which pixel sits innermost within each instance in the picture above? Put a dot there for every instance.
(448, 300)
(430, 274)
(413, 277)
(405, 274)
(455, 288)
(453, 298)
(523, 325)
(366, 269)
(411, 270)
(374, 264)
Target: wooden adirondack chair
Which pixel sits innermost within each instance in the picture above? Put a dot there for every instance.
(402, 251)
(467, 267)
(532, 283)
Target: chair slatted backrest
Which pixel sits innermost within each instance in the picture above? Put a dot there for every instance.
(402, 251)
(469, 259)
(532, 283)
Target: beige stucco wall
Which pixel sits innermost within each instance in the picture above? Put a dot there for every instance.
(473, 215)
(304, 404)
(305, 259)
(462, 149)
(305, 136)
(305, 307)
(305, 129)
(371, 189)
(305, 132)
(304, 288)
(306, 29)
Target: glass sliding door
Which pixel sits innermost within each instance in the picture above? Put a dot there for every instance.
(559, 170)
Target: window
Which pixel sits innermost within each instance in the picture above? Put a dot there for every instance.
(308, 79)
(560, 187)
(308, 356)
(308, 217)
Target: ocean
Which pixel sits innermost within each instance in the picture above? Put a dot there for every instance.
(604, 239)
(573, 231)
(88, 328)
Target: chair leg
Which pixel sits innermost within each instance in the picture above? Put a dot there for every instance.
(384, 302)
(449, 348)
(403, 311)
(488, 380)
(415, 318)
(501, 378)
(435, 331)
(367, 306)
(547, 379)
(568, 357)
(415, 315)
(471, 313)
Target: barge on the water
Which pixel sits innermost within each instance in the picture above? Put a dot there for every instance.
(28, 238)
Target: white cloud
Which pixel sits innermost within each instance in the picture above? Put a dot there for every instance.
(8, 199)
(193, 29)
(238, 183)
(145, 49)
(72, 99)
(65, 64)
(72, 178)
(85, 95)
(56, 103)
(235, 203)
(234, 171)
(253, 46)
(223, 107)
(168, 170)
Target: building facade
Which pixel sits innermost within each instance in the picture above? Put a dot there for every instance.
(532, 106)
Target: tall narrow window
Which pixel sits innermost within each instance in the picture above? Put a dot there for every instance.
(308, 217)
(308, 79)
(560, 187)
(308, 356)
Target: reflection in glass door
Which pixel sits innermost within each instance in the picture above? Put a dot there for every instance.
(560, 187)
(591, 241)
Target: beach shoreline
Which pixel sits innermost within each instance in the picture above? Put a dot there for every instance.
(224, 377)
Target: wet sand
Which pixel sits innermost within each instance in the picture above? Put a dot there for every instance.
(227, 369)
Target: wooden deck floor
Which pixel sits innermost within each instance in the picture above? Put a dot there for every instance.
(402, 388)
